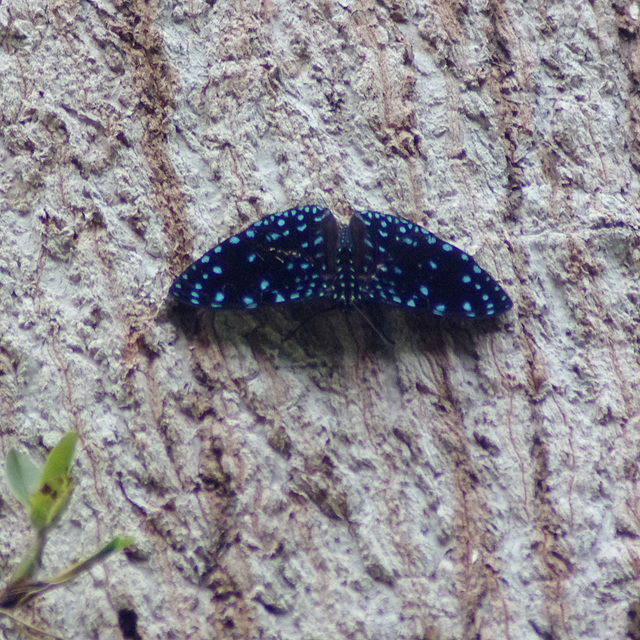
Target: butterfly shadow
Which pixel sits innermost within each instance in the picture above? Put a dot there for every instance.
(293, 333)
(317, 334)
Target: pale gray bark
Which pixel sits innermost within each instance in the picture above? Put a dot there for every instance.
(462, 483)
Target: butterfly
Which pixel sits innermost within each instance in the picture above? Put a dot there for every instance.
(304, 254)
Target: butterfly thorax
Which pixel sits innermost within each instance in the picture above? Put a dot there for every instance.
(345, 286)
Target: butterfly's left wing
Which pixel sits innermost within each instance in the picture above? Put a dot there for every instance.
(402, 264)
(281, 258)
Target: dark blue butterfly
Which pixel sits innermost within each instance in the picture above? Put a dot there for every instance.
(304, 254)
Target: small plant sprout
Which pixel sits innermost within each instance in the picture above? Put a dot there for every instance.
(45, 493)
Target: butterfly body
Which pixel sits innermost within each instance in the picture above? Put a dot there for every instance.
(304, 254)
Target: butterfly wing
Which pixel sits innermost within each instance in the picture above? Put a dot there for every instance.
(402, 264)
(284, 257)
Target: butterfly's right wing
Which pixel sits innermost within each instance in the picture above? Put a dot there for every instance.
(402, 264)
(284, 257)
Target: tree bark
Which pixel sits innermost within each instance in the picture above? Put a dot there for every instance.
(467, 481)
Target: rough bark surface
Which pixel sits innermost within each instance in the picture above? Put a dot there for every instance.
(464, 482)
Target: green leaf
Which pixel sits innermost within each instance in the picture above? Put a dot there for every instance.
(55, 486)
(58, 462)
(117, 544)
(22, 474)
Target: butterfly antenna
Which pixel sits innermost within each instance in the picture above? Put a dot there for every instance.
(385, 338)
(306, 321)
